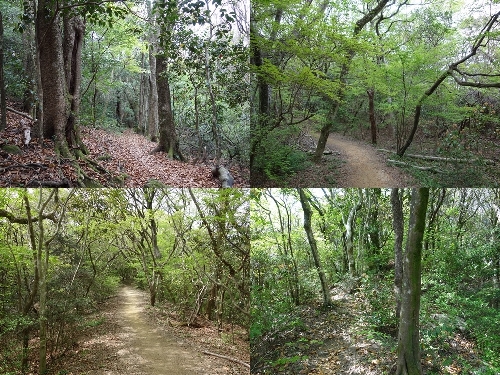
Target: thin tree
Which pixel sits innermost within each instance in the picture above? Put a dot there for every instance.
(306, 207)
(398, 227)
(461, 77)
(3, 105)
(409, 331)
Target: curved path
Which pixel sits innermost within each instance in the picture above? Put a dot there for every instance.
(364, 167)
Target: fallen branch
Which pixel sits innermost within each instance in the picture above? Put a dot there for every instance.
(429, 169)
(441, 158)
(228, 358)
(19, 113)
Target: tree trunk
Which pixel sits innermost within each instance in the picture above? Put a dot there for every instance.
(314, 249)
(74, 29)
(371, 112)
(52, 73)
(208, 80)
(349, 234)
(168, 139)
(153, 89)
(3, 103)
(398, 227)
(259, 128)
(408, 338)
(60, 70)
(144, 98)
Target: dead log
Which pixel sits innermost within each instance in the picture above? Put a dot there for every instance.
(223, 175)
(429, 169)
(19, 113)
(228, 358)
(441, 158)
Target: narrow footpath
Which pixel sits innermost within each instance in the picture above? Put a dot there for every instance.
(147, 351)
(124, 338)
(363, 166)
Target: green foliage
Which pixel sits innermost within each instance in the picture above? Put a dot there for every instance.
(278, 160)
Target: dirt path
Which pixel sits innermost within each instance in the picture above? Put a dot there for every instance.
(147, 351)
(126, 337)
(364, 167)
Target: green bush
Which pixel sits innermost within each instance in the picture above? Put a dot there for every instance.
(281, 160)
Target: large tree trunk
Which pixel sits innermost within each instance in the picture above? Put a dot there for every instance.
(304, 200)
(60, 71)
(52, 73)
(74, 29)
(153, 89)
(408, 338)
(168, 139)
(398, 227)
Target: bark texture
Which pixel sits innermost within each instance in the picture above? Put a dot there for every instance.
(398, 227)
(60, 77)
(168, 139)
(306, 207)
(3, 105)
(409, 332)
(349, 234)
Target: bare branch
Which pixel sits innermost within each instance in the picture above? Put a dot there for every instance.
(476, 84)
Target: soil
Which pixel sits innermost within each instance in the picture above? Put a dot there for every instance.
(114, 160)
(131, 340)
(364, 166)
(347, 163)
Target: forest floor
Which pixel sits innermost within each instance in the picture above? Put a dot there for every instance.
(348, 163)
(362, 165)
(340, 340)
(129, 337)
(480, 149)
(124, 159)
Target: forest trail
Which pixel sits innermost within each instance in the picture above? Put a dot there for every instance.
(126, 339)
(363, 166)
(130, 154)
(148, 351)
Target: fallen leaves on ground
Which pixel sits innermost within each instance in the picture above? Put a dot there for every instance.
(117, 159)
(339, 340)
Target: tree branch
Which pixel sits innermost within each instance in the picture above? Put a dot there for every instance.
(24, 220)
(19, 113)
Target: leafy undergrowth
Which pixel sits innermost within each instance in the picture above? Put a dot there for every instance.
(483, 149)
(342, 339)
(325, 173)
(449, 174)
(124, 160)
